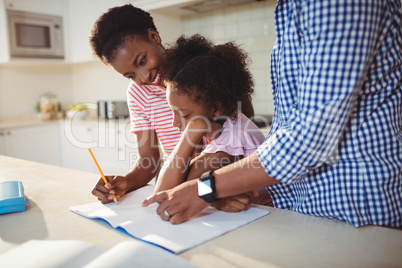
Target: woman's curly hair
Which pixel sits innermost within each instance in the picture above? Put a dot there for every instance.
(214, 75)
(113, 28)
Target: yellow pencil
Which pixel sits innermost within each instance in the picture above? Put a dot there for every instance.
(100, 171)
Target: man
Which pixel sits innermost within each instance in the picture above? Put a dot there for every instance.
(335, 146)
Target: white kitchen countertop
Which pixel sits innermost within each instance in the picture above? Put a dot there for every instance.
(24, 121)
(34, 120)
(281, 239)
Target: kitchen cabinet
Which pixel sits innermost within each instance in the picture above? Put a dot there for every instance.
(120, 151)
(51, 7)
(110, 141)
(80, 17)
(157, 4)
(75, 139)
(4, 51)
(2, 143)
(35, 143)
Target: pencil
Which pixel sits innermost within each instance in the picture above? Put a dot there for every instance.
(100, 171)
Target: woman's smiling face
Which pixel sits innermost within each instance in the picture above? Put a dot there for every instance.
(139, 59)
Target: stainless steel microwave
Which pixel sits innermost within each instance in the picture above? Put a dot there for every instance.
(34, 35)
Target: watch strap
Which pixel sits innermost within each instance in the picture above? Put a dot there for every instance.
(210, 196)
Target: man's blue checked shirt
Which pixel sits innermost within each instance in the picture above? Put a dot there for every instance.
(336, 140)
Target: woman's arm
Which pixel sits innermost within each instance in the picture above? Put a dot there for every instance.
(148, 163)
(146, 168)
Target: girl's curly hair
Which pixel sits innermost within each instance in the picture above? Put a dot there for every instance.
(214, 75)
(113, 28)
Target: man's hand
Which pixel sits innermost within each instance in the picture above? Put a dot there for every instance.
(117, 185)
(181, 203)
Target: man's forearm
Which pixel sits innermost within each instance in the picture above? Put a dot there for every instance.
(244, 175)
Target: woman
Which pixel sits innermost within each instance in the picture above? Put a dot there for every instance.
(126, 39)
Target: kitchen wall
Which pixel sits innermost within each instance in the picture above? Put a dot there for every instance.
(21, 86)
(251, 25)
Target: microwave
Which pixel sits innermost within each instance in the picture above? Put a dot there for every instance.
(34, 35)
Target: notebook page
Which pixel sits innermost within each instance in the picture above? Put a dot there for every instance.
(145, 224)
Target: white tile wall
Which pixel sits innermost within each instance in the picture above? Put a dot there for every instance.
(251, 26)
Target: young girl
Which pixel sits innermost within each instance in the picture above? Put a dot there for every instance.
(204, 83)
(126, 39)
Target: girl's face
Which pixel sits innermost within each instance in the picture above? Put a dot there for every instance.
(139, 59)
(185, 110)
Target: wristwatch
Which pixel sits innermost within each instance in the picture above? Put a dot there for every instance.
(206, 187)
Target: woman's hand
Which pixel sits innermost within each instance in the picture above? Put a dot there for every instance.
(118, 185)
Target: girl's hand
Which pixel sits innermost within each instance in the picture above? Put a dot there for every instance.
(117, 185)
(235, 203)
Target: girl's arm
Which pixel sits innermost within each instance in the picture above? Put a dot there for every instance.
(179, 168)
(176, 169)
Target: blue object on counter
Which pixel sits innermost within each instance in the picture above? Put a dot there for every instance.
(12, 197)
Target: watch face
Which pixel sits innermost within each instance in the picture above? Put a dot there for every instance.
(204, 187)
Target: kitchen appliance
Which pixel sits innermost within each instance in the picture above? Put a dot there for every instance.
(112, 109)
(34, 35)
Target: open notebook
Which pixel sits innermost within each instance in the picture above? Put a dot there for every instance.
(74, 253)
(145, 224)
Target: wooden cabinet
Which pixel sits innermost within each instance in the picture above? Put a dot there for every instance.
(35, 143)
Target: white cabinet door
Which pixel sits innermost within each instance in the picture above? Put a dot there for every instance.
(36, 143)
(75, 139)
(113, 146)
(52, 7)
(81, 18)
(4, 51)
(120, 151)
